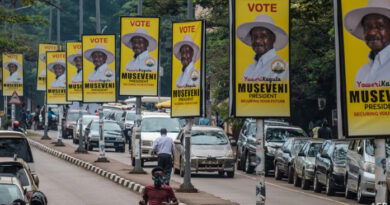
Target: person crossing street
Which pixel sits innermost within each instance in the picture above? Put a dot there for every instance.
(164, 147)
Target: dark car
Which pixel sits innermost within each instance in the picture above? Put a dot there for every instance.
(246, 147)
(284, 157)
(329, 167)
(113, 135)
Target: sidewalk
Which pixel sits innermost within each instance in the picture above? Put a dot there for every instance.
(122, 170)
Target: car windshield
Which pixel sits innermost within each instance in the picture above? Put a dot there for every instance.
(340, 151)
(73, 116)
(281, 134)
(16, 171)
(156, 123)
(370, 148)
(313, 150)
(118, 116)
(131, 116)
(19, 146)
(298, 145)
(208, 138)
(88, 119)
(9, 193)
(108, 126)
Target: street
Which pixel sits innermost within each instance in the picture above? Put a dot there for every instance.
(66, 184)
(240, 189)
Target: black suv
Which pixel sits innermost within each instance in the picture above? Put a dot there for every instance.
(329, 167)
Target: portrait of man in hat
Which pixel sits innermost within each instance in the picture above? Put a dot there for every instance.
(265, 38)
(100, 57)
(42, 57)
(58, 68)
(77, 60)
(188, 53)
(141, 43)
(371, 24)
(14, 68)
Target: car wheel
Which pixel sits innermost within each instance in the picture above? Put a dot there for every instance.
(329, 186)
(248, 168)
(230, 174)
(316, 184)
(242, 161)
(176, 171)
(359, 197)
(278, 175)
(239, 166)
(290, 175)
(305, 184)
(122, 150)
(221, 173)
(90, 147)
(297, 180)
(75, 141)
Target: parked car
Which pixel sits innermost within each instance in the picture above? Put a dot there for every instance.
(246, 147)
(11, 190)
(12, 143)
(113, 135)
(284, 157)
(210, 151)
(360, 170)
(330, 166)
(151, 125)
(305, 162)
(69, 122)
(86, 120)
(128, 119)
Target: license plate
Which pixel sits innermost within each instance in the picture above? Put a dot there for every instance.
(109, 144)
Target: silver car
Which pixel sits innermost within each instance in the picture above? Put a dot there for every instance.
(360, 170)
(210, 151)
(86, 120)
(304, 163)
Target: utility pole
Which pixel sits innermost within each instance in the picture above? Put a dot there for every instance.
(61, 107)
(81, 19)
(138, 166)
(187, 186)
(260, 173)
(102, 154)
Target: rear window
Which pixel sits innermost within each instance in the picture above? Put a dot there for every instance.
(9, 193)
(16, 171)
(154, 124)
(340, 151)
(314, 148)
(298, 144)
(19, 146)
(208, 138)
(281, 134)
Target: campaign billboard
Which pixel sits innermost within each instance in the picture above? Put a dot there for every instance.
(74, 71)
(41, 72)
(12, 74)
(55, 78)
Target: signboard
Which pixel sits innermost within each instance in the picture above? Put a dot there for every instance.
(41, 73)
(1, 78)
(99, 83)
(12, 73)
(187, 69)
(74, 71)
(14, 99)
(139, 56)
(260, 85)
(56, 78)
(364, 28)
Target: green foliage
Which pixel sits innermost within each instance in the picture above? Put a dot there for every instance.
(6, 124)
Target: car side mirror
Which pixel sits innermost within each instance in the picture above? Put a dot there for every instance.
(301, 154)
(36, 180)
(177, 141)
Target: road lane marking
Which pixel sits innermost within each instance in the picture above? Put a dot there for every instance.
(301, 192)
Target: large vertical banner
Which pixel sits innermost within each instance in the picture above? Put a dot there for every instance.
(365, 66)
(139, 56)
(41, 73)
(12, 74)
(1, 78)
(187, 69)
(260, 64)
(74, 71)
(99, 83)
(56, 78)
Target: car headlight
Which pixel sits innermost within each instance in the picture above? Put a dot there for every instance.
(369, 167)
(229, 153)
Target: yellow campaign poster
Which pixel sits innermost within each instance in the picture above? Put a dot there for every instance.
(260, 70)
(366, 66)
(12, 74)
(139, 56)
(1, 78)
(41, 73)
(187, 38)
(56, 78)
(74, 71)
(99, 83)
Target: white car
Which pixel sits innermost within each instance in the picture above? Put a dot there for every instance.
(151, 125)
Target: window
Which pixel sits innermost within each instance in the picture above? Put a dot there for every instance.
(340, 151)
(131, 116)
(281, 134)
(19, 146)
(314, 148)
(9, 193)
(298, 143)
(208, 138)
(156, 123)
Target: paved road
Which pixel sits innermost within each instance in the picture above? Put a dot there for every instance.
(240, 189)
(65, 184)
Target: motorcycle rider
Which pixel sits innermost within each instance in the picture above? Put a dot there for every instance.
(16, 127)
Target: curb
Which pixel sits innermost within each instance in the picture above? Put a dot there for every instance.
(132, 186)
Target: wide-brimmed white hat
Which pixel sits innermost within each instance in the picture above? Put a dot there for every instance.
(42, 57)
(142, 33)
(73, 56)
(58, 61)
(101, 48)
(15, 62)
(187, 40)
(353, 19)
(262, 20)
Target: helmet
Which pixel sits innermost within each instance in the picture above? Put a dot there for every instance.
(16, 123)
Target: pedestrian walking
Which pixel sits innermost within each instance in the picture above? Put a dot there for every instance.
(324, 132)
(316, 128)
(164, 147)
(158, 193)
